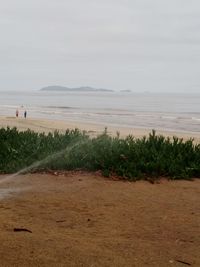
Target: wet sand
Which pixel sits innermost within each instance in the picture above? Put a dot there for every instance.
(82, 219)
(43, 125)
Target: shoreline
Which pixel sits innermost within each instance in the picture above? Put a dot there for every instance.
(93, 129)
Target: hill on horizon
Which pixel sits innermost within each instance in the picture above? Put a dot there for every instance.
(77, 89)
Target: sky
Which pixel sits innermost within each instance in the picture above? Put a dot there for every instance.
(140, 45)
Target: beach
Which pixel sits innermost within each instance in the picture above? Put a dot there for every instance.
(93, 129)
(124, 112)
(100, 133)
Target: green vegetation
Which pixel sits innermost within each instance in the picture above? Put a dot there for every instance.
(130, 158)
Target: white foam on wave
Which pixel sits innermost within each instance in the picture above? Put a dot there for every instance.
(195, 119)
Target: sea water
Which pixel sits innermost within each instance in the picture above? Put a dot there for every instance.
(172, 112)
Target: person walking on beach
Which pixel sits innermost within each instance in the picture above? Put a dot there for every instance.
(17, 113)
(25, 114)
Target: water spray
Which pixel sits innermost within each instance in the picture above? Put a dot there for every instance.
(35, 165)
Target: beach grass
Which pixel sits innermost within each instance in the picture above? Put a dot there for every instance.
(129, 158)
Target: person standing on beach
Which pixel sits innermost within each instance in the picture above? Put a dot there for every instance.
(25, 114)
(17, 113)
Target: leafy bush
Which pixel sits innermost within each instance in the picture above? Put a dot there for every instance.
(130, 158)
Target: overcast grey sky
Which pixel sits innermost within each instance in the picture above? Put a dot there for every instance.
(142, 45)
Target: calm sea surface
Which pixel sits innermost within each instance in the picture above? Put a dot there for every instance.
(175, 112)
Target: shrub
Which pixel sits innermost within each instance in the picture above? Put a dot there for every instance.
(130, 158)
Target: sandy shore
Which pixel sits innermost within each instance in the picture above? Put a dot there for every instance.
(44, 125)
(81, 219)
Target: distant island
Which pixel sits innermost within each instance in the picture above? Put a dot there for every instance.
(57, 88)
(125, 91)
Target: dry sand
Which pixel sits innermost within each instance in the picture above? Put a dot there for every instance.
(86, 220)
(44, 125)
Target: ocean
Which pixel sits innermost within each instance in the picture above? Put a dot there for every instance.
(171, 112)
